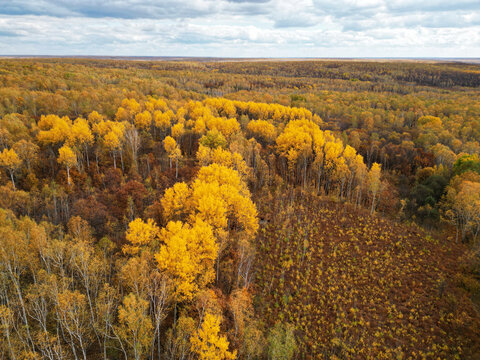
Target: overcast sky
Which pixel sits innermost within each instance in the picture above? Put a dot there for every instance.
(241, 28)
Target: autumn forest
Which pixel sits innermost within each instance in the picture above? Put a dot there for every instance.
(211, 210)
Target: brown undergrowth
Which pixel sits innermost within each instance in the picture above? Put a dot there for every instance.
(357, 286)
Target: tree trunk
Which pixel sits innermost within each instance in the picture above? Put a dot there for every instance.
(13, 182)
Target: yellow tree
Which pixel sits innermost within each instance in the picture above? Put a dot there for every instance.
(53, 129)
(218, 196)
(156, 104)
(208, 344)
(176, 201)
(163, 120)
(374, 183)
(207, 156)
(80, 136)
(10, 161)
(67, 158)
(111, 135)
(143, 120)
(178, 130)
(332, 159)
(173, 151)
(94, 117)
(233, 191)
(349, 154)
(129, 108)
(213, 139)
(135, 326)
(297, 143)
(262, 129)
(463, 203)
(27, 151)
(187, 255)
(140, 234)
(227, 127)
(72, 315)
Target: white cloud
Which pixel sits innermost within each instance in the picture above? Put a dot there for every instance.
(242, 28)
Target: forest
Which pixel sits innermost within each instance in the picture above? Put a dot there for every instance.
(320, 209)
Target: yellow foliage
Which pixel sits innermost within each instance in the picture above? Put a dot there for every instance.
(80, 133)
(143, 120)
(208, 344)
(55, 129)
(169, 144)
(176, 200)
(206, 156)
(263, 129)
(94, 117)
(66, 156)
(226, 127)
(187, 255)
(178, 130)
(10, 160)
(298, 139)
(225, 187)
(136, 327)
(139, 234)
(209, 204)
(162, 120)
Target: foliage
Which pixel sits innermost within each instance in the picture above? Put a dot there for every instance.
(208, 344)
(282, 218)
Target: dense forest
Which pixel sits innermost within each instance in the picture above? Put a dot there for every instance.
(239, 209)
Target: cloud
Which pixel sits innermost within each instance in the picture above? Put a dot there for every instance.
(131, 9)
(242, 28)
(6, 33)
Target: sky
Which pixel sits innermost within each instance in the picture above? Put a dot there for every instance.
(241, 28)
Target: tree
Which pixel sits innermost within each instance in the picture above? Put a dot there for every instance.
(53, 129)
(163, 120)
(175, 201)
(218, 196)
(140, 234)
(135, 326)
(281, 342)
(143, 120)
(81, 136)
(297, 143)
(67, 157)
(463, 204)
(178, 338)
(374, 183)
(227, 127)
(27, 151)
(241, 308)
(213, 139)
(220, 156)
(208, 344)
(10, 161)
(178, 130)
(173, 151)
(6, 325)
(72, 314)
(263, 129)
(133, 140)
(467, 163)
(187, 255)
(113, 143)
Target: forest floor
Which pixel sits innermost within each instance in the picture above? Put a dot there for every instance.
(359, 286)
